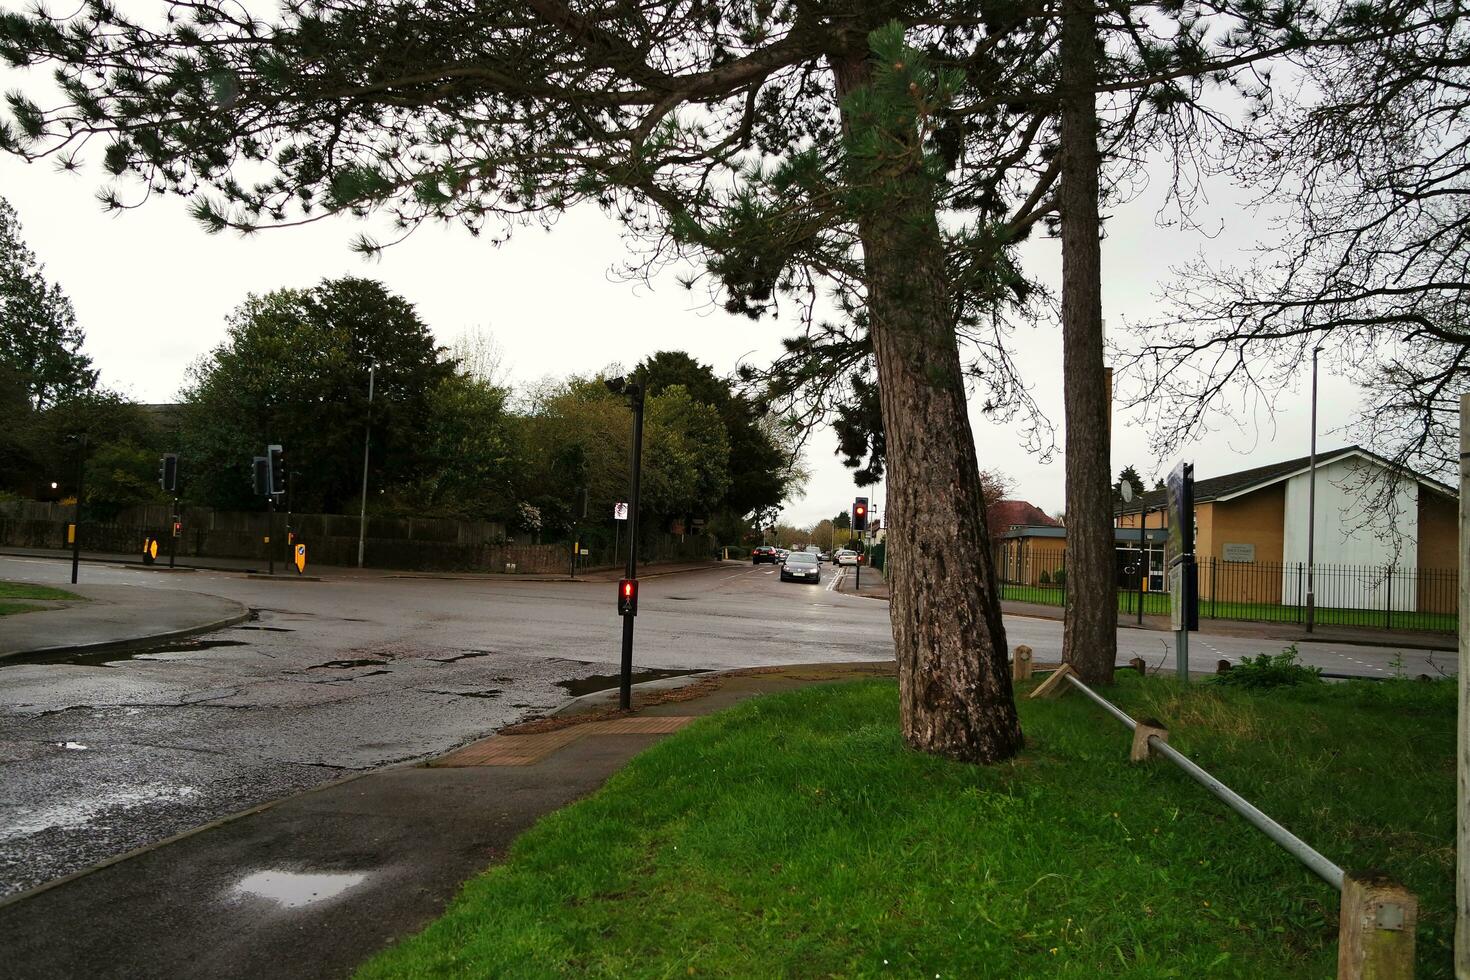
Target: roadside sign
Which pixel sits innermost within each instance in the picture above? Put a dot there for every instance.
(585, 552)
(71, 533)
(620, 512)
(300, 558)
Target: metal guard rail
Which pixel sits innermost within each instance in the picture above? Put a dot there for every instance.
(1294, 845)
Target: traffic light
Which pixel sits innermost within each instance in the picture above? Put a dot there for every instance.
(860, 514)
(260, 471)
(628, 597)
(276, 468)
(168, 472)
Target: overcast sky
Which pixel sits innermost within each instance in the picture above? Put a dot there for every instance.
(152, 291)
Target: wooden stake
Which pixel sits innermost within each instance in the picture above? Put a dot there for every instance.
(1141, 752)
(1375, 936)
(1056, 685)
(1021, 663)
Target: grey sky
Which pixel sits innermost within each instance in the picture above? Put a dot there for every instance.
(152, 291)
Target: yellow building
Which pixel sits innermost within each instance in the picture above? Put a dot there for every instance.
(1384, 535)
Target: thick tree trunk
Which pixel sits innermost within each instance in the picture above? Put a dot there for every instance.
(1090, 636)
(954, 688)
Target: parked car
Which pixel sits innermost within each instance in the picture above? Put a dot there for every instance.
(824, 556)
(801, 566)
(845, 557)
(763, 553)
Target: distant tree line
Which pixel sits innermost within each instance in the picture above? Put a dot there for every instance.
(445, 437)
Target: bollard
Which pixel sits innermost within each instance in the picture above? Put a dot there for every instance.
(1021, 663)
(1375, 938)
(1222, 666)
(1138, 664)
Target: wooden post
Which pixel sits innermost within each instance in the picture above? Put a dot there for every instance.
(1056, 685)
(1462, 731)
(1138, 664)
(1021, 663)
(1375, 937)
(1140, 751)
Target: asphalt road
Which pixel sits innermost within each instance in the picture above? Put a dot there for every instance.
(105, 754)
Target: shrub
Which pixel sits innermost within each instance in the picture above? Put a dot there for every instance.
(1267, 671)
(1045, 578)
(1060, 578)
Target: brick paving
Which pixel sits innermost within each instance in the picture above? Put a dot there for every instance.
(525, 750)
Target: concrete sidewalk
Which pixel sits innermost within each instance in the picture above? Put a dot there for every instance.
(115, 617)
(313, 885)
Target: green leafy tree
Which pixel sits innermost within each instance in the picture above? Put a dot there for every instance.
(293, 370)
(40, 340)
(578, 434)
(470, 459)
(759, 469)
(843, 521)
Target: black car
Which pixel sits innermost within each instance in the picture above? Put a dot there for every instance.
(763, 553)
(801, 566)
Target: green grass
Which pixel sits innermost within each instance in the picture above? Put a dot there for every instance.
(24, 590)
(1157, 604)
(795, 835)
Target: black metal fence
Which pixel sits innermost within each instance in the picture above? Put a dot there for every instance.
(1368, 596)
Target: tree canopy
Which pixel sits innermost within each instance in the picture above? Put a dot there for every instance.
(293, 370)
(40, 340)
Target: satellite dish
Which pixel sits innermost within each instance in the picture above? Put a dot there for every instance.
(1127, 490)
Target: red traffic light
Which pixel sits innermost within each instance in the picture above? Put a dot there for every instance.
(628, 597)
(861, 510)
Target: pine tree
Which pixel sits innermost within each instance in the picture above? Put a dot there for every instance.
(40, 341)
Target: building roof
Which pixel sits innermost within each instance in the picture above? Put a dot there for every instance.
(1005, 514)
(1236, 484)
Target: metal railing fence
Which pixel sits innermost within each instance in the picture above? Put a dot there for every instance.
(1372, 596)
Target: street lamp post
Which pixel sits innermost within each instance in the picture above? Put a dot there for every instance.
(366, 445)
(1312, 503)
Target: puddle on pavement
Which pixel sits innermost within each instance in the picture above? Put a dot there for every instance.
(293, 891)
(342, 664)
(493, 692)
(466, 655)
(108, 658)
(606, 682)
(268, 629)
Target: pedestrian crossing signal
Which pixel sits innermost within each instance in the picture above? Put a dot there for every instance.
(628, 597)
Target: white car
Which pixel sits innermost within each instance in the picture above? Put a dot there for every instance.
(845, 557)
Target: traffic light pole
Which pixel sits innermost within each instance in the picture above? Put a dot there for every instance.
(173, 533)
(625, 686)
(76, 536)
(270, 532)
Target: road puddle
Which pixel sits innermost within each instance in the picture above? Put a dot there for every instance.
(292, 890)
(606, 682)
(343, 664)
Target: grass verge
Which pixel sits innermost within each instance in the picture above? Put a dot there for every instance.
(795, 835)
(12, 591)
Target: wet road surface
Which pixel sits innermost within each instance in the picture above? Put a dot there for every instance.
(103, 754)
